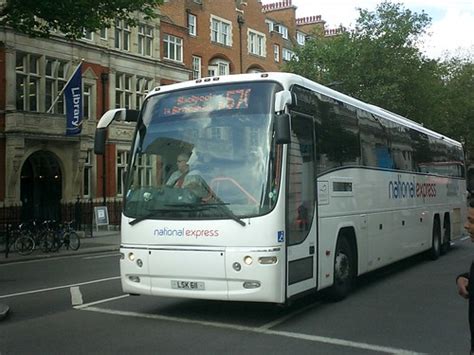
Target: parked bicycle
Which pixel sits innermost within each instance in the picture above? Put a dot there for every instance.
(66, 236)
(22, 240)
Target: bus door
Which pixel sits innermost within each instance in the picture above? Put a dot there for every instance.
(301, 225)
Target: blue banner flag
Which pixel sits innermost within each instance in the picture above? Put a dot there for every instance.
(73, 97)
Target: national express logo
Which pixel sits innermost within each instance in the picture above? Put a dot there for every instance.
(185, 233)
(398, 189)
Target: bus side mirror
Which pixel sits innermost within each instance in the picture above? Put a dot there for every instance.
(282, 128)
(99, 142)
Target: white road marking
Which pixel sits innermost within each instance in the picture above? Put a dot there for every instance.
(260, 330)
(58, 287)
(76, 296)
(101, 301)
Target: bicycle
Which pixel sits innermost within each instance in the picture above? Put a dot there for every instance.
(22, 240)
(66, 236)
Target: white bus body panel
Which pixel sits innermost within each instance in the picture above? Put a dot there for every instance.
(171, 253)
(389, 225)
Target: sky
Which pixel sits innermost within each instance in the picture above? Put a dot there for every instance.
(452, 26)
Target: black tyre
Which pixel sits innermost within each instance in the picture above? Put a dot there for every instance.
(47, 242)
(435, 250)
(446, 245)
(344, 270)
(74, 240)
(24, 245)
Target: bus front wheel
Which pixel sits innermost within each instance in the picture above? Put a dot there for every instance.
(343, 270)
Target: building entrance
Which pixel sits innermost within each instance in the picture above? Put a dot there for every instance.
(41, 183)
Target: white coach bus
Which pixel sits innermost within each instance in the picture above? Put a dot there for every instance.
(285, 187)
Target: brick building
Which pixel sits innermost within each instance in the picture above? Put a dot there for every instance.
(41, 168)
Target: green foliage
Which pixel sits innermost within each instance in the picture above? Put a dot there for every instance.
(379, 62)
(37, 18)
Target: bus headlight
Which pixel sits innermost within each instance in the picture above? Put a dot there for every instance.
(139, 262)
(248, 260)
(267, 260)
(131, 256)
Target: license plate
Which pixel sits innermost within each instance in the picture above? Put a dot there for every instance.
(187, 285)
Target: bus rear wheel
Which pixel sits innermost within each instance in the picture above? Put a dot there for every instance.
(344, 270)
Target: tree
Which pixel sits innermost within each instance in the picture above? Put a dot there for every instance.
(37, 18)
(378, 61)
(459, 103)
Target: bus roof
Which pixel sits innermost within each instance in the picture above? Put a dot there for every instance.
(287, 80)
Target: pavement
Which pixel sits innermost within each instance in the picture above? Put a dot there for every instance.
(100, 241)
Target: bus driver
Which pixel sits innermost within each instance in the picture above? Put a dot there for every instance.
(184, 177)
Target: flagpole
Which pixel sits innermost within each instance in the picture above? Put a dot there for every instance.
(65, 86)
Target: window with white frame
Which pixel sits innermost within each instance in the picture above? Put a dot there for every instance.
(287, 54)
(122, 35)
(87, 101)
(276, 53)
(142, 87)
(257, 43)
(218, 67)
(300, 38)
(121, 165)
(123, 90)
(87, 178)
(283, 30)
(270, 25)
(145, 39)
(196, 67)
(131, 90)
(192, 25)
(103, 33)
(221, 31)
(88, 35)
(27, 82)
(173, 48)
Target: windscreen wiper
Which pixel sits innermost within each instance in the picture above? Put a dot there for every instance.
(153, 213)
(222, 207)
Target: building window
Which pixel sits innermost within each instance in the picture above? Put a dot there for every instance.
(130, 90)
(121, 165)
(27, 82)
(192, 23)
(87, 35)
(122, 35)
(196, 67)
(287, 54)
(143, 170)
(300, 38)
(123, 90)
(87, 101)
(270, 25)
(276, 53)
(87, 181)
(221, 31)
(257, 43)
(145, 39)
(103, 33)
(219, 67)
(283, 30)
(173, 48)
(142, 87)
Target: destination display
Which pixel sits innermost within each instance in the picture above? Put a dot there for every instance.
(235, 99)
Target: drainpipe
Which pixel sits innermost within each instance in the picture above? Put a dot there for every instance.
(240, 21)
(104, 77)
